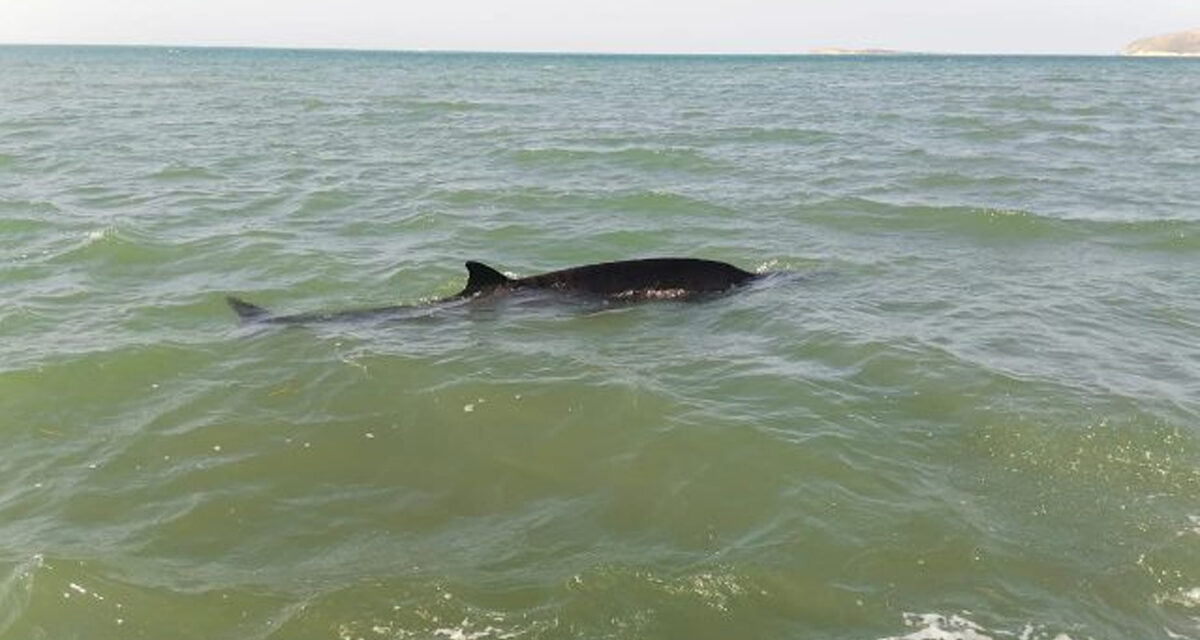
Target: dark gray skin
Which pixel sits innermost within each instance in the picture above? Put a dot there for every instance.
(627, 280)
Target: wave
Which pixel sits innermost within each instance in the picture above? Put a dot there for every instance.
(43, 207)
(440, 106)
(527, 199)
(957, 626)
(181, 172)
(325, 201)
(959, 180)
(113, 245)
(789, 135)
(638, 158)
(1002, 224)
(16, 592)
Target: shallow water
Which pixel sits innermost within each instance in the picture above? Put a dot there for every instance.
(969, 411)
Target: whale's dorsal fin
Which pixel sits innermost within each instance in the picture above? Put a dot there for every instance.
(482, 278)
(246, 311)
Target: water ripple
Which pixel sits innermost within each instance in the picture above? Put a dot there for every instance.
(972, 389)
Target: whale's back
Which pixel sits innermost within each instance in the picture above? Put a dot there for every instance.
(670, 277)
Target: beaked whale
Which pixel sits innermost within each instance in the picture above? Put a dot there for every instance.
(626, 280)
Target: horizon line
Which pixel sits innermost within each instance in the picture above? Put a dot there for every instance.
(815, 52)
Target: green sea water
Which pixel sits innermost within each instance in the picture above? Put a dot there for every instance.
(970, 410)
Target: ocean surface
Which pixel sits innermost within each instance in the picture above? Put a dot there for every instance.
(968, 409)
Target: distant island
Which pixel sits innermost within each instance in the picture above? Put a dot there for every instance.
(839, 51)
(1183, 43)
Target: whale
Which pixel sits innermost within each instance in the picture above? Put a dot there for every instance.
(640, 280)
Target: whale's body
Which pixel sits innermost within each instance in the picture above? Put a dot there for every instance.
(626, 280)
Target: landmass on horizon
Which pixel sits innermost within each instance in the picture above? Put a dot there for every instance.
(842, 51)
(1182, 43)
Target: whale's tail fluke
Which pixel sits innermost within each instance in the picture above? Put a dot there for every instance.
(246, 311)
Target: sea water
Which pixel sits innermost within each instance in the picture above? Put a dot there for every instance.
(970, 409)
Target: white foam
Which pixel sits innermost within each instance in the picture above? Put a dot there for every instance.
(463, 633)
(767, 267)
(936, 626)
(1189, 598)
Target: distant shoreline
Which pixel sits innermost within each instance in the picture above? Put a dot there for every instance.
(841, 51)
(1177, 44)
(824, 52)
(1160, 54)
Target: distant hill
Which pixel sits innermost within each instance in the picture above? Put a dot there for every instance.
(1184, 43)
(839, 51)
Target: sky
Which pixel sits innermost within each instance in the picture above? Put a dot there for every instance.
(606, 26)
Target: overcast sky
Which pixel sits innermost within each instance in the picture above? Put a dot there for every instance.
(646, 26)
